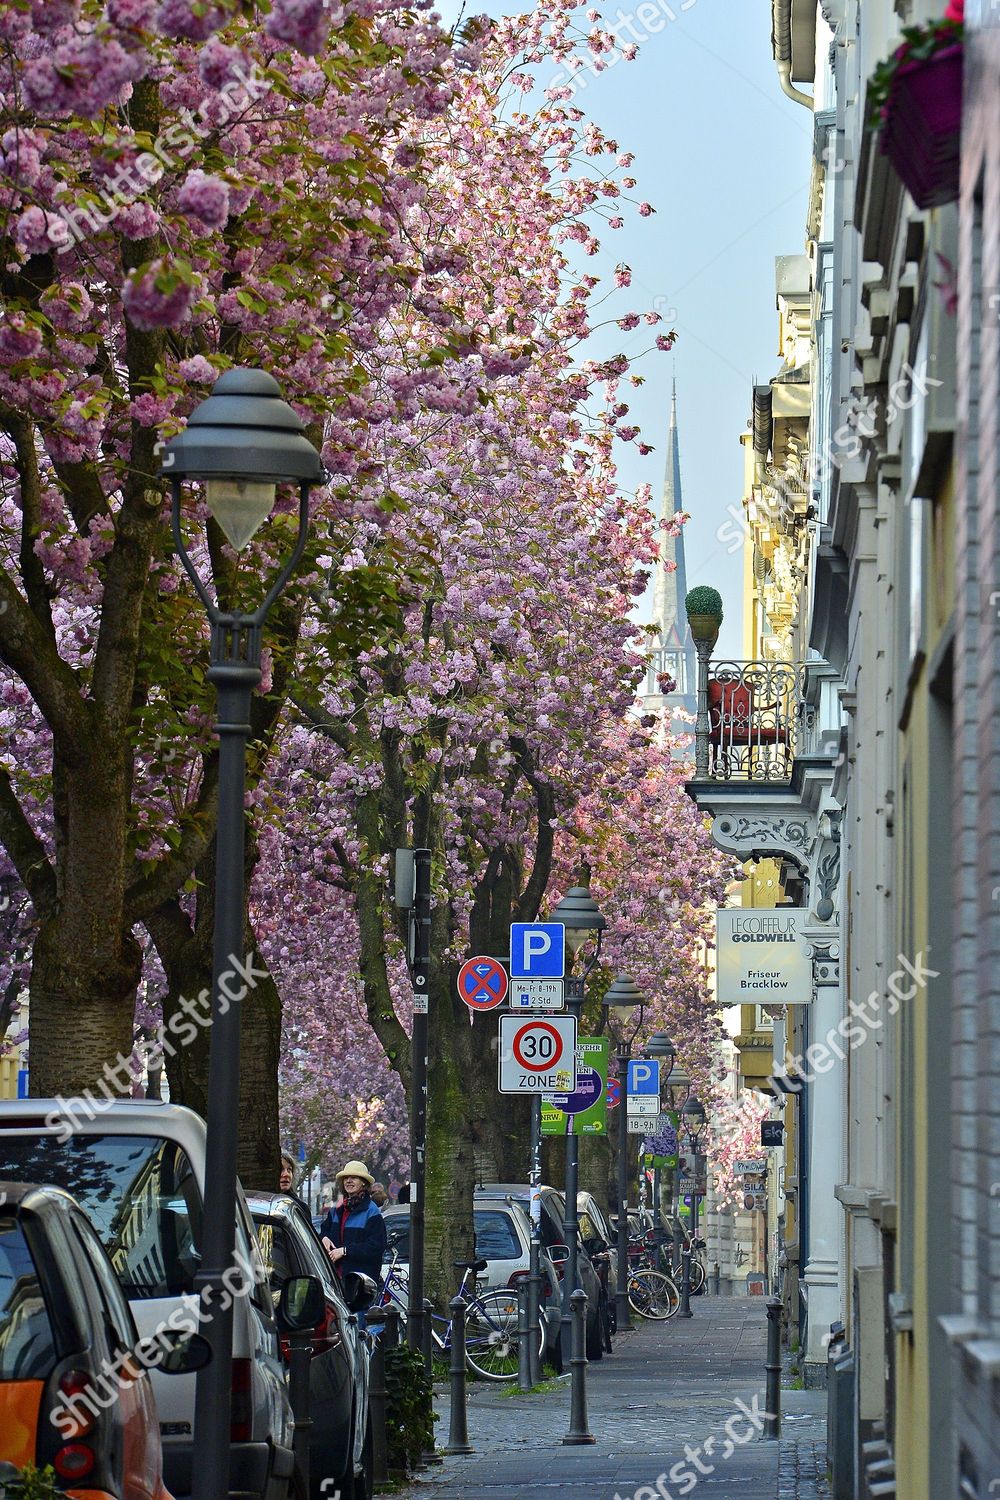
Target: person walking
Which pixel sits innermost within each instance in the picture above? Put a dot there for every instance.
(353, 1231)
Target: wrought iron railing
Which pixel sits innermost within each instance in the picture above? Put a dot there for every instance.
(753, 719)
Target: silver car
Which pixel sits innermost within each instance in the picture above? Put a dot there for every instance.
(137, 1169)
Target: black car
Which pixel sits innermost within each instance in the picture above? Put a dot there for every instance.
(553, 1233)
(340, 1447)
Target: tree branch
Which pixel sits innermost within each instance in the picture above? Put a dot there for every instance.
(161, 878)
(26, 850)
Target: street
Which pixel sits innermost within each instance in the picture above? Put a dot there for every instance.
(660, 1403)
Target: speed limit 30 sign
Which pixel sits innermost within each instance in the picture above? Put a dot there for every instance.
(537, 1055)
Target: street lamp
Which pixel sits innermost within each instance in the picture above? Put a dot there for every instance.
(620, 1002)
(240, 443)
(661, 1049)
(693, 1120)
(583, 921)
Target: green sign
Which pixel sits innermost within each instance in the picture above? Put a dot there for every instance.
(661, 1147)
(586, 1111)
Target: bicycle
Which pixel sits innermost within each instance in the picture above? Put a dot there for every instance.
(675, 1268)
(491, 1339)
(652, 1294)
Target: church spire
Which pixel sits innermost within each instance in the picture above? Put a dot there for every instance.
(675, 651)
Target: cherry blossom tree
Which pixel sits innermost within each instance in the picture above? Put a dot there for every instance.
(181, 189)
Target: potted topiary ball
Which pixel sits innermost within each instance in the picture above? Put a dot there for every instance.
(704, 612)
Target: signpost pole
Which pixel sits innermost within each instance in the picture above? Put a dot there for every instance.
(574, 1004)
(535, 1250)
(421, 920)
(623, 1319)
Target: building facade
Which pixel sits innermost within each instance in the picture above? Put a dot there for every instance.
(870, 773)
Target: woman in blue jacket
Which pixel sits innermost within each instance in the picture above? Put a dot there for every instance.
(354, 1229)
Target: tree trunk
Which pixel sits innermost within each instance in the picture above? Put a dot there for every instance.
(185, 951)
(85, 969)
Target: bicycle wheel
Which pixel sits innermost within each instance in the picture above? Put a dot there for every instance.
(697, 1276)
(491, 1335)
(652, 1295)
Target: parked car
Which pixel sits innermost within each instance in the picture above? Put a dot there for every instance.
(553, 1233)
(503, 1240)
(137, 1169)
(73, 1394)
(340, 1447)
(598, 1241)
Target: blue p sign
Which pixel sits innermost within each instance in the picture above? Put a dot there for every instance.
(643, 1077)
(537, 950)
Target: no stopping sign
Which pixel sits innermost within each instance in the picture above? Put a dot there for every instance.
(537, 1055)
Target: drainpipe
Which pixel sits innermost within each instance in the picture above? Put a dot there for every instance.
(781, 41)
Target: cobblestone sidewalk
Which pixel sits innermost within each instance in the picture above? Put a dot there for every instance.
(675, 1411)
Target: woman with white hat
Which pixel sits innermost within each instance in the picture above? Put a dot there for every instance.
(354, 1229)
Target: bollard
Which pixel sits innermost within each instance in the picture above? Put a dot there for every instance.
(429, 1456)
(579, 1428)
(717, 1278)
(523, 1342)
(458, 1430)
(684, 1311)
(533, 1283)
(299, 1360)
(378, 1320)
(392, 1332)
(772, 1367)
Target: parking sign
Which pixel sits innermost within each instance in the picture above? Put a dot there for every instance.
(537, 950)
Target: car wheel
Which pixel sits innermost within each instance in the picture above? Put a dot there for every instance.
(346, 1487)
(364, 1483)
(595, 1336)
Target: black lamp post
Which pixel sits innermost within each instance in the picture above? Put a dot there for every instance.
(240, 444)
(583, 920)
(662, 1050)
(693, 1120)
(620, 1002)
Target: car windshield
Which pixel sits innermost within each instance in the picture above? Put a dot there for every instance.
(139, 1192)
(496, 1237)
(26, 1350)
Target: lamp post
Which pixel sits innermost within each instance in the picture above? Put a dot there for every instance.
(583, 920)
(620, 1002)
(240, 444)
(661, 1049)
(693, 1120)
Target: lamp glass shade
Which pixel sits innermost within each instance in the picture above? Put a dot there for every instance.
(581, 917)
(622, 997)
(693, 1114)
(241, 506)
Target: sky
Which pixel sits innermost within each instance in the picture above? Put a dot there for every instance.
(723, 156)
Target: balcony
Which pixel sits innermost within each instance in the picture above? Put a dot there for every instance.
(755, 720)
(766, 748)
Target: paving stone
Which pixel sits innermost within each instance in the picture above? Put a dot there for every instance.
(660, 1402)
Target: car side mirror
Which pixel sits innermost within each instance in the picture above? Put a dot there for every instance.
(178, 1353)
(359, 1291)
(558, 1254)
(301, 1304)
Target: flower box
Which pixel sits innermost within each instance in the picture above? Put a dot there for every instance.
(922, 126)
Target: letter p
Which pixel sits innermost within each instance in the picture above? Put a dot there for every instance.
(535, 945)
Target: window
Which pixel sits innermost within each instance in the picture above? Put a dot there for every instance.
(496, 1237)
(111, 1177)
(26, 1348)
(121, 1331)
